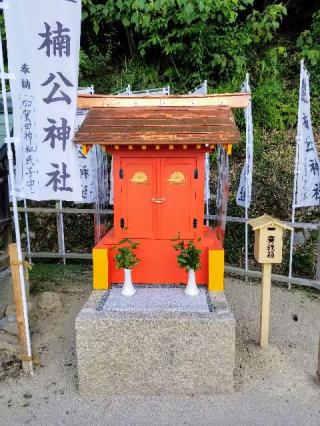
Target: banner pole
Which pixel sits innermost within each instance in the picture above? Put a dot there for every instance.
(293, 214)
(15, 212)
(26, 218)
(292, 220)
(247, 187)
(60, 231)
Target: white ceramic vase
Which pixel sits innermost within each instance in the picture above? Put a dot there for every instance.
(127, 288)
(192, 288)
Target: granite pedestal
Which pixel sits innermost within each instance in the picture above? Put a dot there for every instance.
(159, 341)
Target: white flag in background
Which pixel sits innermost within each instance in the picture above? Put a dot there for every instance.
(43, 39)
(93, 167)
(202, 89)
(207, 182)
(87, 165)
(223, 187)
(308, 165)
(245, 184)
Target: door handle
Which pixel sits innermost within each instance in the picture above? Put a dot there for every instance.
(158, 200)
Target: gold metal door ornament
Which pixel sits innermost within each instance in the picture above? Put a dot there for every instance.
(140, 178)
(177, 178)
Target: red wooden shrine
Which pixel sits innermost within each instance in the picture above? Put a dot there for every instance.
(158, 173)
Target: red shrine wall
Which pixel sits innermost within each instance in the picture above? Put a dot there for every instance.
(158, 194)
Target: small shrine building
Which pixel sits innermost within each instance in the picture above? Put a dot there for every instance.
(158, 146)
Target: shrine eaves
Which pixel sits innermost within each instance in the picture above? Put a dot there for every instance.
(160, 125)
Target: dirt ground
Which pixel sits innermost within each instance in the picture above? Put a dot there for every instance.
(277, 386)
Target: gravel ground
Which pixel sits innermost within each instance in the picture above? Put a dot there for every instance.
(277, 386)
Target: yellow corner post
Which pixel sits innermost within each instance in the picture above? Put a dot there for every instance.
(100, 269)
(216, 270)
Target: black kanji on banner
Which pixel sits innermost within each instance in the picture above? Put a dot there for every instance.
(59, 178)
(57, 88)
(57, 133)
(56, 42)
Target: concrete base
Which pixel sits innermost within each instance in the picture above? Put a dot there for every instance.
(159, 341)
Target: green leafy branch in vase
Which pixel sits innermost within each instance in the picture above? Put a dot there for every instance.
(125, 256)
(188, 253)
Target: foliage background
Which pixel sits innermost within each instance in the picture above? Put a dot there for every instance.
(182, 42)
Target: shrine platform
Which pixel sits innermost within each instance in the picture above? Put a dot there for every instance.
(157, 342)
(158, 262)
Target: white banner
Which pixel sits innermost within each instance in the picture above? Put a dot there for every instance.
(207, 181)
(93, 167)
(200, 90)
(87, 165)
(245, 184)
(222, 187)
(307, 164)
(43, 40)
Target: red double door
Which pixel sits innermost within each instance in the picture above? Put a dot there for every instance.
(160, 197)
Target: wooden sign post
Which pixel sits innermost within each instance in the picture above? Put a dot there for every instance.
(265, 304)
(267, 250)
(21, 311)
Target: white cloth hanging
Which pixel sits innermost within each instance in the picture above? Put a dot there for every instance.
(202, 89)
(307, 170)
(245, 184)
(43, 40)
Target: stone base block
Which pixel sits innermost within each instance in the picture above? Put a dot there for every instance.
(159, 341)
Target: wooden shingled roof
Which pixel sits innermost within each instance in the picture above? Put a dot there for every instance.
(158, 125)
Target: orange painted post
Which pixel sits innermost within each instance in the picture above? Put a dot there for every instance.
(216, 270)
(100, 269)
